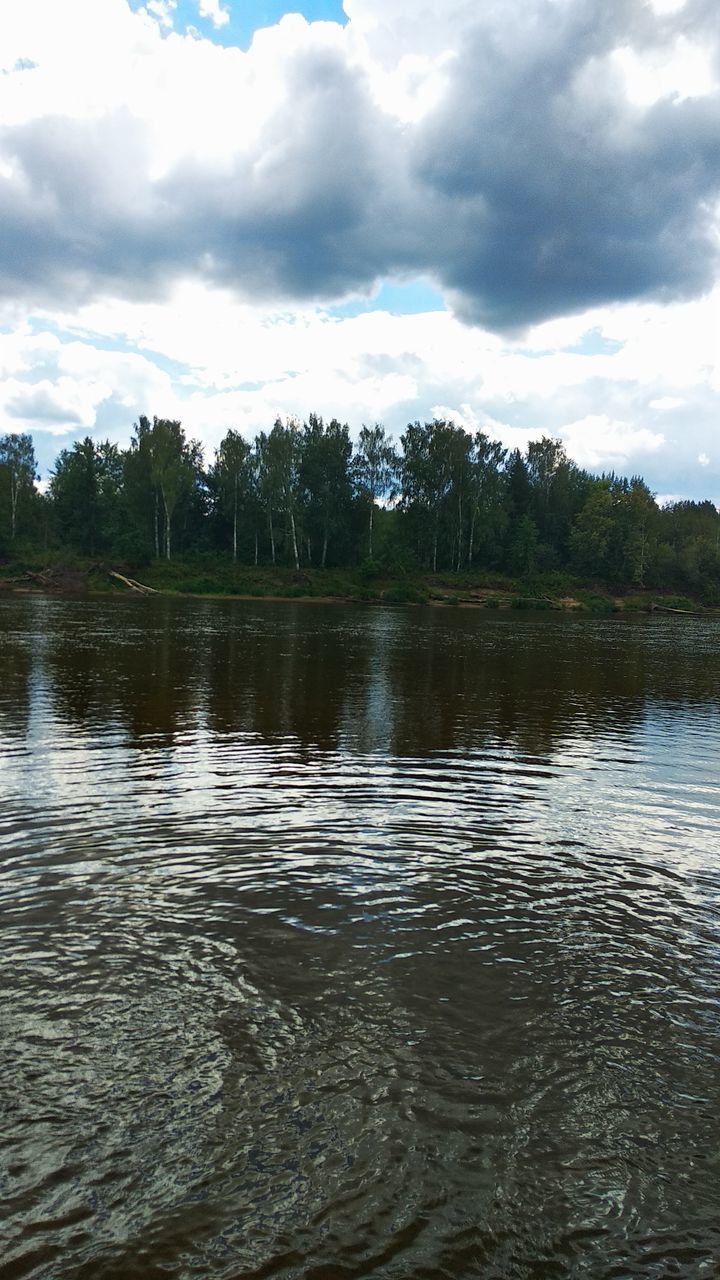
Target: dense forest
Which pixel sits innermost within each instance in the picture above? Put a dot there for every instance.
(303, 495)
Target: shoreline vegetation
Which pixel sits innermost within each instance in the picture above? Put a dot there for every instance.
(214, 578)
(441, 516)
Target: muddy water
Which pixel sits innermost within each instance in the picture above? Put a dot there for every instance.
(343, 942)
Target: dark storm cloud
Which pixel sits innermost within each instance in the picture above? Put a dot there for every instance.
(79, 215)
(297, 217)
(566, 195)
(39, 405)
(535, 188)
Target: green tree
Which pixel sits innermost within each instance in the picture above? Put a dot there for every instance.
(324, 482)
(485, 494)
(376, 466)
(434, 471)
(595, 540)
(172, 470)
(640, 521)
(558, 492)
(162, 470)
(18, 473)
(524, 546)
(518, 489)
(279, 459)
(234, 475)
(85, 492)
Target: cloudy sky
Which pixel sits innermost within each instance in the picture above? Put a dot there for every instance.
(506, 212)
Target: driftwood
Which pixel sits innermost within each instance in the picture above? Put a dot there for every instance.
(665, 608)
(132, 584)
(58, 578)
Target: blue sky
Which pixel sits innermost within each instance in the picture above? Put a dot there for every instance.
(502, 214)
(246, 16)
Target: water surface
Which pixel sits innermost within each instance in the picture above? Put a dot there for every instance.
(347, 942)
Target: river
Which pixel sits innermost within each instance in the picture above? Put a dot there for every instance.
(342, 941)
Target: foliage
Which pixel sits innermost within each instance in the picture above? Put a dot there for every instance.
(530, 602)
(300, 497)
(17, 477)
(596, 603)
(405, 594)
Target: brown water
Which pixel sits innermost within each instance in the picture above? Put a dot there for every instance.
(342, 942)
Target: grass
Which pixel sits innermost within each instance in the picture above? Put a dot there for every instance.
(595, 602)
(530, 602)
(208, 575)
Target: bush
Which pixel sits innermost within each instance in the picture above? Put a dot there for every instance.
(529, 602)
(369, 569)
(596, 603)
(405, 594)
(554, 583)
(676, 602)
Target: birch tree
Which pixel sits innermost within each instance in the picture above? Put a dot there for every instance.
(234, 476)
(376, 469)
(18, 472)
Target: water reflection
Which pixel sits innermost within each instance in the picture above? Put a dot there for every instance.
(408, 683)
(344, 942)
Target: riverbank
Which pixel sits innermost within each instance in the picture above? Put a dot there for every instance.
(212, 577)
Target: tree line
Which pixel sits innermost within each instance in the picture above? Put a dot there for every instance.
(302, 494)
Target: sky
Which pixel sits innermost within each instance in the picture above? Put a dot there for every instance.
(503, 212)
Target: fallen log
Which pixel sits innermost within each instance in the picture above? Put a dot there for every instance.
(132, 584)
(666, 608)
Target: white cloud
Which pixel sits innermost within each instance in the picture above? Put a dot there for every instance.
(704, 460)
(414, 139)
(665, 7)
(162, 10)
(597, 441)
(679, 71)
(58, 388)
(223, 363)
(665, 404)
(213, 10)
(204, 206)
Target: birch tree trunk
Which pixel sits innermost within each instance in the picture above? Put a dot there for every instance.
(14, 483)
(294, 539)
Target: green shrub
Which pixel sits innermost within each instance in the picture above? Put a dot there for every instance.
(676, 602)
(369, 569)
(596, 603)
(405, 594)
(529, 602)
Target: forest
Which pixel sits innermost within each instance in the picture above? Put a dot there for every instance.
(304, 495)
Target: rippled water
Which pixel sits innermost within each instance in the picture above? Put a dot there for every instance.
(344, 942)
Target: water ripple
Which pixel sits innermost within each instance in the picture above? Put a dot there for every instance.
(357, 944)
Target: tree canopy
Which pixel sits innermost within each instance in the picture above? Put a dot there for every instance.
(301, 494)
